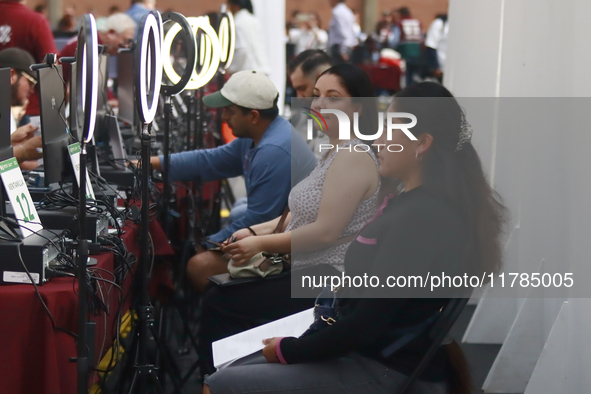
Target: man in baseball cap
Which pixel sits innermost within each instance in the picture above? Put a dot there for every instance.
(22, 83)
(22, 79)
(266, 150)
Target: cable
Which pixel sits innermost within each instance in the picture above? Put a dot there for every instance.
(47, 311)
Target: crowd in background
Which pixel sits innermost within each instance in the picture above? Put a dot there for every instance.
(397, 36)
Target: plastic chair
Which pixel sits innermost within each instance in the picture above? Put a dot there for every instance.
(437, 334)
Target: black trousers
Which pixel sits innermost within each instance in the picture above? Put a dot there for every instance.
(229, 310)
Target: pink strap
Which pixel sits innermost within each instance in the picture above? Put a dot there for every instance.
(381, 208)
(367, 241)
(379, 211)
(278, 352)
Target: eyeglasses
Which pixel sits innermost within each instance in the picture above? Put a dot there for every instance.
(29, 78)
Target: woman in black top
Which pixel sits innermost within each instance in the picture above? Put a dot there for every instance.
(447, 220)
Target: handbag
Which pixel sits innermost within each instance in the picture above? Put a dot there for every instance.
(326, 311)
(263, 264)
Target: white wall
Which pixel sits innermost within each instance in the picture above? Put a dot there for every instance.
(271, 15)
(532, 48)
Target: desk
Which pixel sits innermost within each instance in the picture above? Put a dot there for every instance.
(36, 358)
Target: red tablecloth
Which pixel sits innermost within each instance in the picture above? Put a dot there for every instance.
(382, 76)
(35, 358)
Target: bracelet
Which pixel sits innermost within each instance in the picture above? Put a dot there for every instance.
(252, 231)
(279, 354)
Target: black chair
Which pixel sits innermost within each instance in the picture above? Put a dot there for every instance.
(437, 334)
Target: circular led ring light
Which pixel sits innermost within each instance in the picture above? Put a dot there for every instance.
(208, 49)
(227, 37)
(181, 25)
(87, 58)
(148, 63)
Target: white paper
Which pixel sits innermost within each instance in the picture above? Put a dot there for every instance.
(19, 277)
(36, 121)
(20, 198)
(74, 151)
(230, 349)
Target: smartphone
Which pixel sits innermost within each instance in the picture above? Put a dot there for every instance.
(219, 245)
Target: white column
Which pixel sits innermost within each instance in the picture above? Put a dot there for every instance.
(271, 15)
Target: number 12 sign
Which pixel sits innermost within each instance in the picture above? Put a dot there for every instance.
(19, 197)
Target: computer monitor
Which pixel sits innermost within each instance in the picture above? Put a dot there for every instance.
(125, 92)
(56, 139)
(103, 92)
(116, 143)
(5, 95)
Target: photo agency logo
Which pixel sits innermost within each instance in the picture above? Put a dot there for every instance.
(345, 129)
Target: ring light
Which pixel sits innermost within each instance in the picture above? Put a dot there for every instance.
(148, 78)
(208, 50)
(188, 35)
(86, 78)
(227, 37)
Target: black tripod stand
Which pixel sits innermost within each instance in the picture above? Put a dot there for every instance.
(147, 81)
(87, 59)
(145, 311)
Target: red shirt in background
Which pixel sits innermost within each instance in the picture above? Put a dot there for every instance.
(22, 28)
(70, 51)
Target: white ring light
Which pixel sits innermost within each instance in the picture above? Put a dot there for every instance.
(88, 36)
(227, 37)
(150, 66)
(209, 50)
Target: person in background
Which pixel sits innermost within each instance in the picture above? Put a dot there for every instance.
(386, 23)
(309, 35)
(436, 46)
(303, 72)
(359, 34)
(23, 28)
(264, 153)
(341, 32)
(140, 8)
(293, 22)
(68, 21)
(250, 50)
(305, 68)
(117, 32)
(22, 83)
(409, 46)
(41, 9)
(387, 34)
(100, 22)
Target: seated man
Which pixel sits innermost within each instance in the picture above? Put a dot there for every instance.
(22, 83)
(303, 72)
(268, 153)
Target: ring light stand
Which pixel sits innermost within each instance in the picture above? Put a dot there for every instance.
(183, 27)
(148, 79)
(87, 90)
